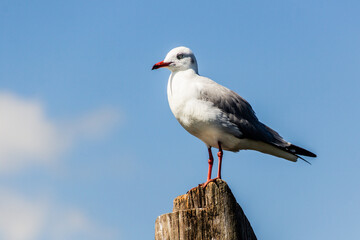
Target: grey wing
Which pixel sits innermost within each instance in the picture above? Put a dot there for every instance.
(240, 112)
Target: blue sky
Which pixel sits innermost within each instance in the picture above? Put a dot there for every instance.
(89, 148)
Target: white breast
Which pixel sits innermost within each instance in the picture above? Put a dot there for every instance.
(200, 118)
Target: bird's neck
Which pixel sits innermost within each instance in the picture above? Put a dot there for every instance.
(180, 85)
(188, 73)
(180, 78)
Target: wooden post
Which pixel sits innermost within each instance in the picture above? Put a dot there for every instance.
(205, 214)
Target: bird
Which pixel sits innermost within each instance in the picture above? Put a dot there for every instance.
(218, 116)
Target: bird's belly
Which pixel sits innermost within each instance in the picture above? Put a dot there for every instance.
(212, 135)
(209, 124)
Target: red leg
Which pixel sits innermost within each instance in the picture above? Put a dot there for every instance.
(210, 161)
(220, 155)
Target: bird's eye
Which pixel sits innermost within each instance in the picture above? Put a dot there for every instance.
(180, 56)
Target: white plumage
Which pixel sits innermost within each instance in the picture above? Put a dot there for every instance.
(217, 115)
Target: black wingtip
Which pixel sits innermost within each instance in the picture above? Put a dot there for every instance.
(300, 151)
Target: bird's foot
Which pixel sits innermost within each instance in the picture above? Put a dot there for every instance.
(208, 181)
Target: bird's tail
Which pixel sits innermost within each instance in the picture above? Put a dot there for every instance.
(295, 151)
(300, 151)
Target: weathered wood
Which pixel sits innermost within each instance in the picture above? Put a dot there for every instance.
(205, 214)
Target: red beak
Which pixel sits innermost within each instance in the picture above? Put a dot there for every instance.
(160, 65)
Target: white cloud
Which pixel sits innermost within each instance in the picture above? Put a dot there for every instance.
(74, 224)
(28, 136)
(22, 218)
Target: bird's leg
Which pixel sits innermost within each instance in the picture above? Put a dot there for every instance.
(220, 155)
(210, 161)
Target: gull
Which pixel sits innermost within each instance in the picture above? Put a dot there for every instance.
(217, 115)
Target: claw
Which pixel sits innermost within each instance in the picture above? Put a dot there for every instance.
(209, 181)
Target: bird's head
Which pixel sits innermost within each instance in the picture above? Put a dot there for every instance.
(178, 59)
